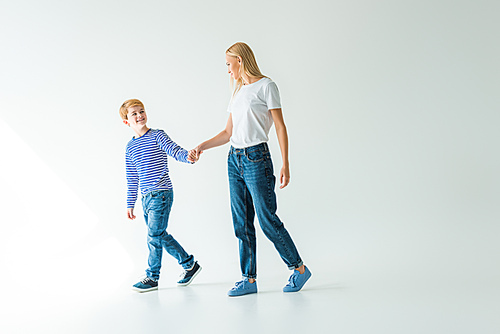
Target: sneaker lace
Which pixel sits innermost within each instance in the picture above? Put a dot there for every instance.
(237, 285)
(183, 274)
(291, 280)
(146, 280)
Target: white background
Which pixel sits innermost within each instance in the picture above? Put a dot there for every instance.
(392, 109)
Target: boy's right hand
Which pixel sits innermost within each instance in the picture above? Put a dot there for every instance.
(194, 155)
(130, 213)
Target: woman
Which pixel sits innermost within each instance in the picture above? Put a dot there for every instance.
(254, 107)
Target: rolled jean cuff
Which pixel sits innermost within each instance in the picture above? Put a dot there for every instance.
(296, 266)
(188, 263)
(250, 276)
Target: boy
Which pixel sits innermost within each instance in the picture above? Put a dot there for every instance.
(147, 167)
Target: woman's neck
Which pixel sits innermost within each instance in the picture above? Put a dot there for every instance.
(250, 80)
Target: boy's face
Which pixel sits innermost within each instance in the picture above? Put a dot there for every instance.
(136, 117)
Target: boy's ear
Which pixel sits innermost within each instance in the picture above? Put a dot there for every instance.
(126, 122)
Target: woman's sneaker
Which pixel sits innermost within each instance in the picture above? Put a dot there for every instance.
(188, 275)
(146, 285)
(243, 287)
(297, 280)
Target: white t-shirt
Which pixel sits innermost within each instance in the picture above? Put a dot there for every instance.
(250, 112)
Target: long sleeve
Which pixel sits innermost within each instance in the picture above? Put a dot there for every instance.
(132, 181)
(170, 147)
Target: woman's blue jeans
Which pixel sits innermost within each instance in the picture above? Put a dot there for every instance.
(156, 206)
(251, 186)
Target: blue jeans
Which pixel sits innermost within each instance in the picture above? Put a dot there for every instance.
(156, 206)
(251, 186)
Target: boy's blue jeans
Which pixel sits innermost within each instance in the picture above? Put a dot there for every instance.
(251, 186)
(156, 206)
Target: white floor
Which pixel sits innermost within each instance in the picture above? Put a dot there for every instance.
(325, 305)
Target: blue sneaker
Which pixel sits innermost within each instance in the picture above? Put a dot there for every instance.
(297, 280)
(188, 275)
(243, 287)
(145, 285)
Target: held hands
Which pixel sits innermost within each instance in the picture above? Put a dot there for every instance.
(194, 154)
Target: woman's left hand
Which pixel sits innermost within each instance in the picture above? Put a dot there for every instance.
(284, 176)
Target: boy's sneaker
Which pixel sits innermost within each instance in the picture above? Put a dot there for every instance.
(145, 285)
(297, 281)
(188, 275)
(243, 287)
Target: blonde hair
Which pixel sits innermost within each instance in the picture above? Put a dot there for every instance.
(248, 64)
(127, 104)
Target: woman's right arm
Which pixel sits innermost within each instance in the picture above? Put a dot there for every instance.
(220, 139)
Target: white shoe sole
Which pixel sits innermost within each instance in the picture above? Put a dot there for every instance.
(144, 290)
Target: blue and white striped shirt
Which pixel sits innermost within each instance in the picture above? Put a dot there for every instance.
(147, 164)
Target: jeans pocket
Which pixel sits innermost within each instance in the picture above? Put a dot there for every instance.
(255, 156)
(158, 202)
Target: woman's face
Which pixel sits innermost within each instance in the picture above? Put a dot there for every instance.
(233, 66)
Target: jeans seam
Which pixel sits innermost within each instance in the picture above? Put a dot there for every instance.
(285, 246)
(246, 226)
